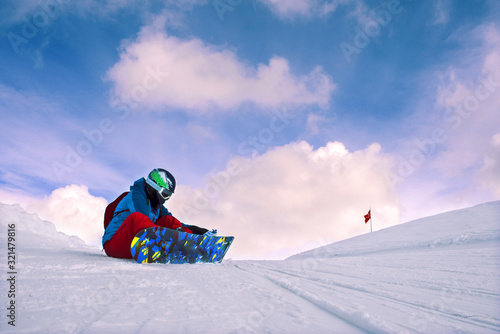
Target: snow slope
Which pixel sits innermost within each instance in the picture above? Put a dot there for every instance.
(434, 275)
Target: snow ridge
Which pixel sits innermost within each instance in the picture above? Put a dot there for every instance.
(33, 232)
(477, 224)
(439, 274)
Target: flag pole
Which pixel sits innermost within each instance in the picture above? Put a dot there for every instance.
(371, 229)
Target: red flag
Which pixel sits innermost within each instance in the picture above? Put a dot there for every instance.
(368, 216)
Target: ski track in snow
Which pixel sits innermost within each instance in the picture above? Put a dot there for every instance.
(417, 278)
(413, 301)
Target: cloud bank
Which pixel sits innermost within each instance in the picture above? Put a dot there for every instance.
(292, 198)
(74, 211)
(164, 72)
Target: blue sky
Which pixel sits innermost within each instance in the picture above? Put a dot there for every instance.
(274, 116)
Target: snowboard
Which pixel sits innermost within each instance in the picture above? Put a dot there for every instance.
(164, 245)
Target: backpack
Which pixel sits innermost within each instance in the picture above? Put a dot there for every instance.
(110, 209)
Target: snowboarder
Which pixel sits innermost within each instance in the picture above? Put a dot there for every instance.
(139, 209)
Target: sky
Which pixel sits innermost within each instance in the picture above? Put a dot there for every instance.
(283, 122)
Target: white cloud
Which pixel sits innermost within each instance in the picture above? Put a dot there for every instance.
(292, 198)
(164, 72)
(470, 102)
(309, 9)
(200, 132)
(445, 159)
(74, 211)
(292, 7)
(319, 123)
(12, 195)
(15, 11)
(302, 8)
(442, 10)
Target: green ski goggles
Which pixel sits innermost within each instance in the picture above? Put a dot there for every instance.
(165, 193)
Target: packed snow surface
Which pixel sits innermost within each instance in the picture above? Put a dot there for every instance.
(439, 274)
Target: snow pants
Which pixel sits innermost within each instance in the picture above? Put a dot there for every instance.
(119, 245)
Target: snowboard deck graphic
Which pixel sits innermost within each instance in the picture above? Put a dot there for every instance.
(164, 245)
